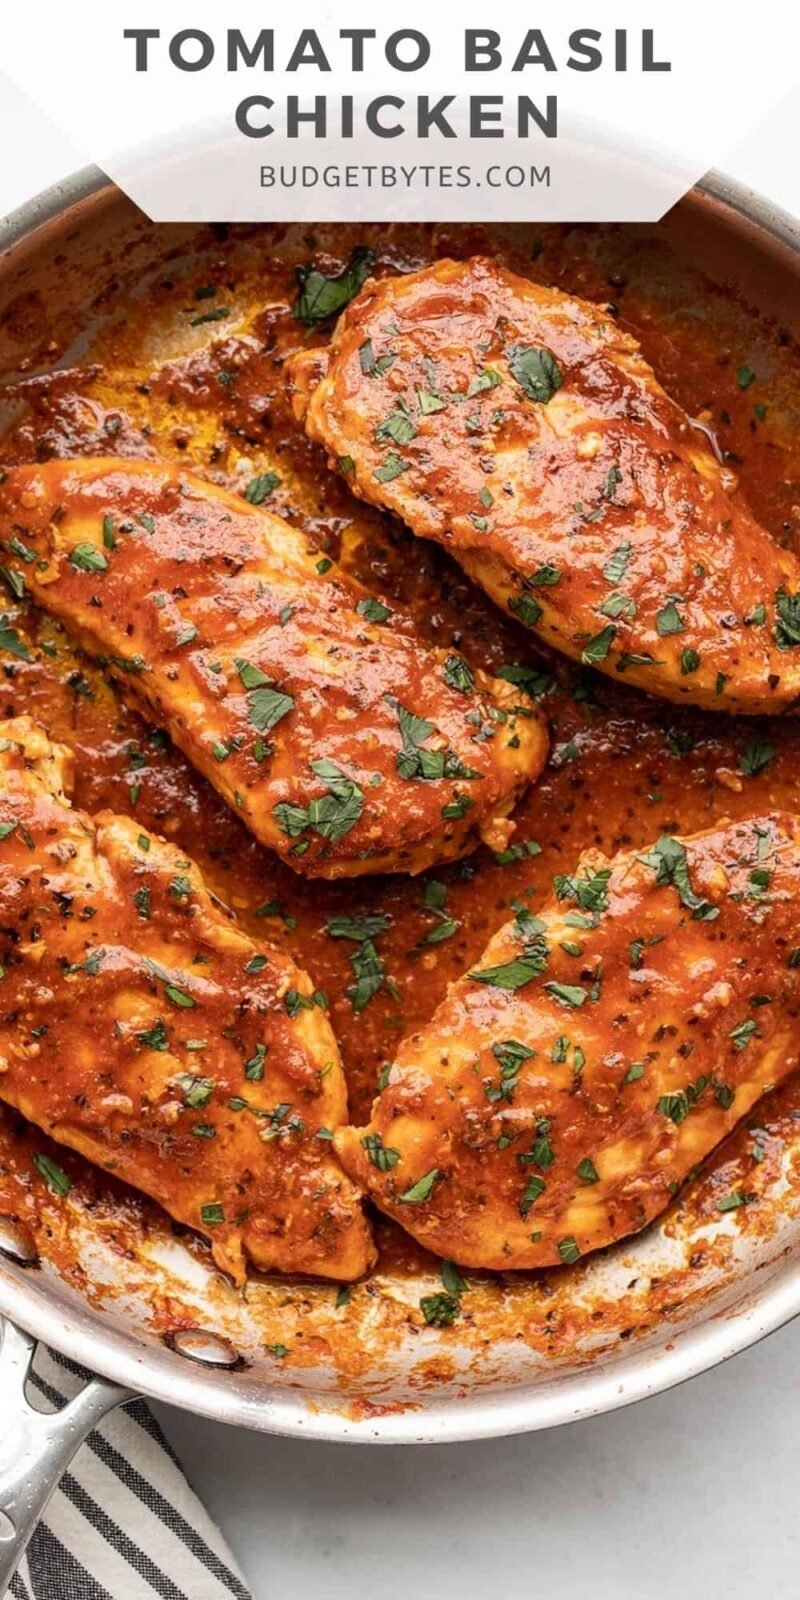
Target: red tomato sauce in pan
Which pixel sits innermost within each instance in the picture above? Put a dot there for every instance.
(194, 371)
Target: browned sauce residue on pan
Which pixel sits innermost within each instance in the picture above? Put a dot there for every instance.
(192, 371)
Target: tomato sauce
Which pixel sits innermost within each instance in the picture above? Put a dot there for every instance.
(193, 371)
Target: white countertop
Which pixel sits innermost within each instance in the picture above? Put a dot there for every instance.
(693, 1494)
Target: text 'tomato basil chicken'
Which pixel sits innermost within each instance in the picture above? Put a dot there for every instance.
(345, 743)
(523, 430)
(598, 1051)
(141, 1027)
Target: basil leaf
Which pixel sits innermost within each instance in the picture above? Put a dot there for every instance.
(421, 1190)
(615, 569)
(567, 994)
(321, 297)
(515, 974)
(529, 611)
(10, 641)
(597, 648)
(568, 1251)
(397, 426)
(392, 466)
(55, 1177)
(258, 488)
(668, 860)
(787, 628)
(536, 370)
(382, 1156)
(440, 1310)
(756, 757)
(87, 558)
(668, 620)
(458, 674)
(373, 610)
(334, 814)
(267, 706)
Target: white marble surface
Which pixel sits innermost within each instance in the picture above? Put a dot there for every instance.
(693, 1494)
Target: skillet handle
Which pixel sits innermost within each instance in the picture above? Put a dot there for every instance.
(36, 1447)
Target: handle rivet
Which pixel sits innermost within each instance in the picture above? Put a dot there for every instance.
(208, 1349)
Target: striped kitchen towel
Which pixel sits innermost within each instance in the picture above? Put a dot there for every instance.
(124, 1523)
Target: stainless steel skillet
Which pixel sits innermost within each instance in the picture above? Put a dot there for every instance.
(632, 1338)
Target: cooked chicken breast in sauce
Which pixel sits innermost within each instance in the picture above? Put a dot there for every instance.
(344, 743)
(596, 1054)
(524, 431)
(140, 1027)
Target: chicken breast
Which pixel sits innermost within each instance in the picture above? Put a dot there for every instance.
(522, 430)
(140, 1027)
(343, 742)
(568, 1085)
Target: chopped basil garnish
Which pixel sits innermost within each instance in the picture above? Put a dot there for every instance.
(382, 1156)
(545, 577)
(154, 1038)
(55, 1177)
(398, 426)
(458, 674)
(787, 628)
(535, 1187)
(615, 569)
(421, 1190)
(597, 648)
(338, 811)
(440, 1310)
(179, 997)
(10, 641)
(254, 1068)
(429, 402)
(536, 370)
(321, 297)
(510, 1054)
(87, 558)
(668, 860)
(668, 620)
(196, 1091)
(568, 1251)
(267, 706)
(590, 891)
(587, 1171)
(487, 379)
(373, 610)
(259, 488)
(757, 755)
(332, 815)
(529, 611)
(391, 467)
(518, 972)
(571, 995)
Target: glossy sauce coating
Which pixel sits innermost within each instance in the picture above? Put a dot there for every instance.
(525, 432)
(623, 768)
(345, 744)
(140, 1027)
(596, 1053)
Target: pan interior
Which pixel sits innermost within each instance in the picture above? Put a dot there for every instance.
(117, 337)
